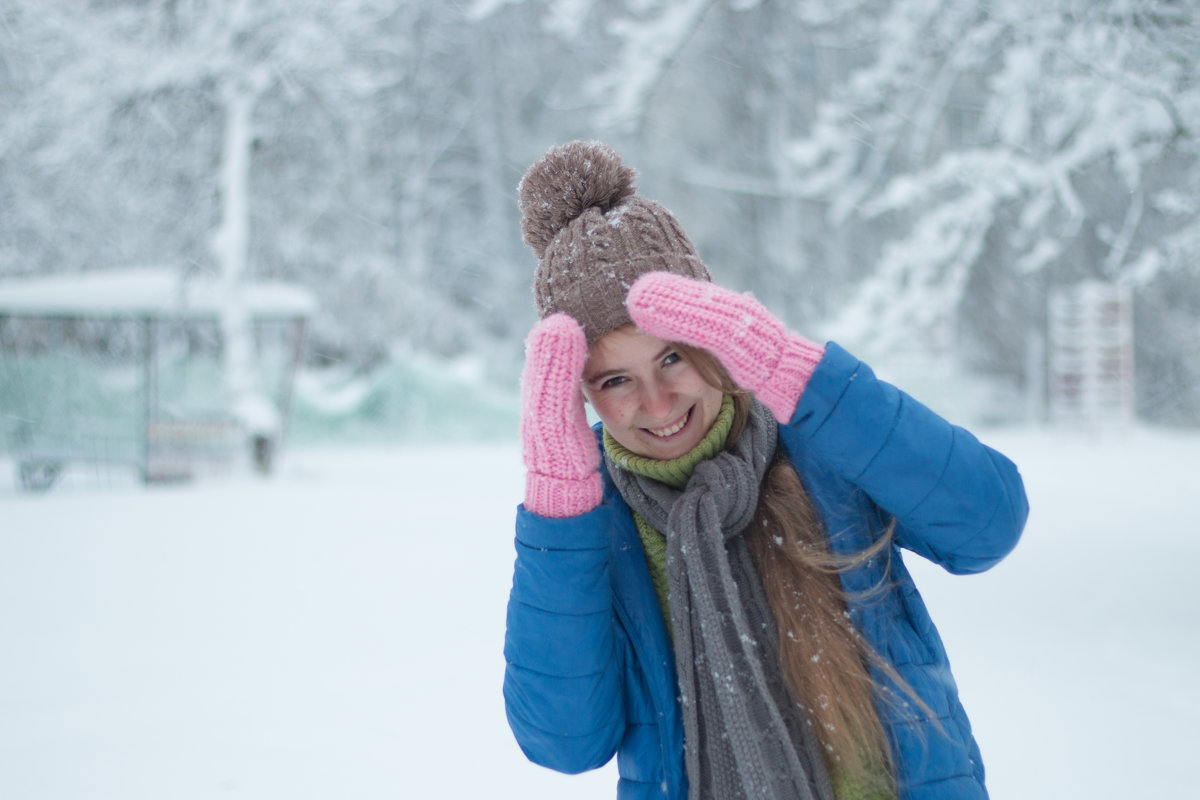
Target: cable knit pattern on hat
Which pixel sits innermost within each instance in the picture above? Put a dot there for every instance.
(594, 236)
(560, 452)
(759, 352)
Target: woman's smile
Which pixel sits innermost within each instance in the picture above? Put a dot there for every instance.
(671, 430)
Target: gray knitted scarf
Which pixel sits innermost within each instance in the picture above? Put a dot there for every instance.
(744, 737)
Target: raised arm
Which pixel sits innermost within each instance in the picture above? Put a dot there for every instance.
(955, 500)
(562, 684)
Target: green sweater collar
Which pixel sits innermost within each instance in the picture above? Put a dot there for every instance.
(675, 472)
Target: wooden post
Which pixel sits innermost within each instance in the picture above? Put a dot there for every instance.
(1091, 380)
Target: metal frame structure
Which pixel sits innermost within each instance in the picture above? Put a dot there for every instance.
(169, 449)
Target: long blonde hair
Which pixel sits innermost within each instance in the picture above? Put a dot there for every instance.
(825, 661)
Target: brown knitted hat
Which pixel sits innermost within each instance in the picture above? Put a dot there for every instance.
(594, 235)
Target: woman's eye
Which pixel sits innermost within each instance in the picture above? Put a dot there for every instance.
(611, 382)
(671, 359)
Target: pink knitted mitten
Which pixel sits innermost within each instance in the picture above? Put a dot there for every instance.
(561, 455)
(760, 354)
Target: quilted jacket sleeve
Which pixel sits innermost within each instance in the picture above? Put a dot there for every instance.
(956, 501)
(562, 684)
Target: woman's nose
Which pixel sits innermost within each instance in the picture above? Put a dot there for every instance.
(657, 399)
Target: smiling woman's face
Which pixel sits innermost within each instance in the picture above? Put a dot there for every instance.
(649, 398)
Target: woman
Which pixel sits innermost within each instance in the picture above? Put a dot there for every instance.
(710, 585)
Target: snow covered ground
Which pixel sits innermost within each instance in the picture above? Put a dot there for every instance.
(336, 630)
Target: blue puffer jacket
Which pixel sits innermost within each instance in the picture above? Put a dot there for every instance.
(590, 667)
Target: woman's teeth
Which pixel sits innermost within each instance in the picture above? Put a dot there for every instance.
(671, 430)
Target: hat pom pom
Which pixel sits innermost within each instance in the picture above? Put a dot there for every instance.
(567, 181)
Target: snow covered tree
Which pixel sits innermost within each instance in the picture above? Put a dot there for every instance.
(908, 176)
(167, 101)
(917, 173)
(986, 153)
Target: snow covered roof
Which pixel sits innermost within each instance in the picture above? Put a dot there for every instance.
(146, 292)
